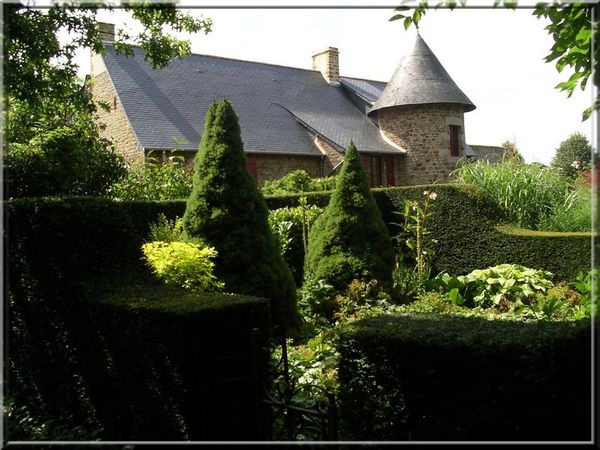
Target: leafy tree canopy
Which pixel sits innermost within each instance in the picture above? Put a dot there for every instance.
(574, 155)
(38, 66)
(57, 152)
(52, 143)
(570, 27)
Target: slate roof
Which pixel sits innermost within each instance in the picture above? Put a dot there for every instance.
(280, 108)
(489, 153)
(419, 79)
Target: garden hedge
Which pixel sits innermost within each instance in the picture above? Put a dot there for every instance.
(435, 377)
(96, 342)
(466, 226)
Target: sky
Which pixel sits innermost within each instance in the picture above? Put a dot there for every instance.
(494, 55)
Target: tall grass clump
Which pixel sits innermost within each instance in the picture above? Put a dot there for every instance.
(527, 194)
(575, 214)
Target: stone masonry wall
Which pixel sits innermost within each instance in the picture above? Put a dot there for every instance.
(271, 167)
(333, 157)
(117, 127)
(424, 131)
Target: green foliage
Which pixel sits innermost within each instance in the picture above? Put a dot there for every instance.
(422, 376)
(160, 178)
(573, 155)
(54, 146)
(58, 156)
(465, 234)
(40, 65)
(571, 28)
(101, 350)
(586, 285)
(183, 264)
(575, 214)
(297, 182)
(166, 230)
(24, 427)
(290, 227)
(412, 249)
(493, 286)
(350, 240)
(527, 194)
(511, 152)
(226, 210)
(318, 298)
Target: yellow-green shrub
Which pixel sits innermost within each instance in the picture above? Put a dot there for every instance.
(183, 264)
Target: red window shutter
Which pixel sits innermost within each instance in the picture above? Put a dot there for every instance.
(366, 159)
(389, 171)
(454, 140)
(252, 168)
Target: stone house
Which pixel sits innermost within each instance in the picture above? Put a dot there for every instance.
(409, 130)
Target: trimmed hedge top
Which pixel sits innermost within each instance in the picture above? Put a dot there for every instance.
(465, 223)
(175, 300)
(452, 331)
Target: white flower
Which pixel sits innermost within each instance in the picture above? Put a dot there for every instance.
(576, 164)
(425, 193)
(432, 196)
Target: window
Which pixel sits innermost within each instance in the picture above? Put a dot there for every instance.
(376, 172)
(373, 167)
(389, 171)
(454, 130)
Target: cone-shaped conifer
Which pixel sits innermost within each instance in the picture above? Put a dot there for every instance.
(227, 211)
(350, 240)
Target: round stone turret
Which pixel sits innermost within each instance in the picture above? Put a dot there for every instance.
(421, 111)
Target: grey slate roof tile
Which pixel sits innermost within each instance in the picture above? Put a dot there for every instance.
(419, 79)
(268, 99)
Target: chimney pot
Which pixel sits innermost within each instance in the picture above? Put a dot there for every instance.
(328, 63)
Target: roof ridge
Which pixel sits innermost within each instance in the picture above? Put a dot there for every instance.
(237, 59)
(363, 79)
(259, 62)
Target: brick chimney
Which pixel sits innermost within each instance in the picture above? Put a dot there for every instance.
(328, 63)
(107, 31)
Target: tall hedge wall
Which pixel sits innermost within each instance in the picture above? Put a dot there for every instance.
(465, 224)
(451, 378)
(95, 342)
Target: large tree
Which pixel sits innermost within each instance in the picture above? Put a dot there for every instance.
(52, 144)
(227, 211)
(570, 26)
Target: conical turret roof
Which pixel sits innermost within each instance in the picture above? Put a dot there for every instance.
(420, 79)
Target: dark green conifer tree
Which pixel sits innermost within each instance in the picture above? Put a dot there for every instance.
(350, 240)
(227, 211)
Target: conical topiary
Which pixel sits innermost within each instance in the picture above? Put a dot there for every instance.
(227, 211)
(350, 240)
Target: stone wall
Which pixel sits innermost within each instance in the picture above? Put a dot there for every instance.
(271, 167)
(424, 132)
(116, 124)
(332, 156)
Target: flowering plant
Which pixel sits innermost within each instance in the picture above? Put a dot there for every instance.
(411, 238)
